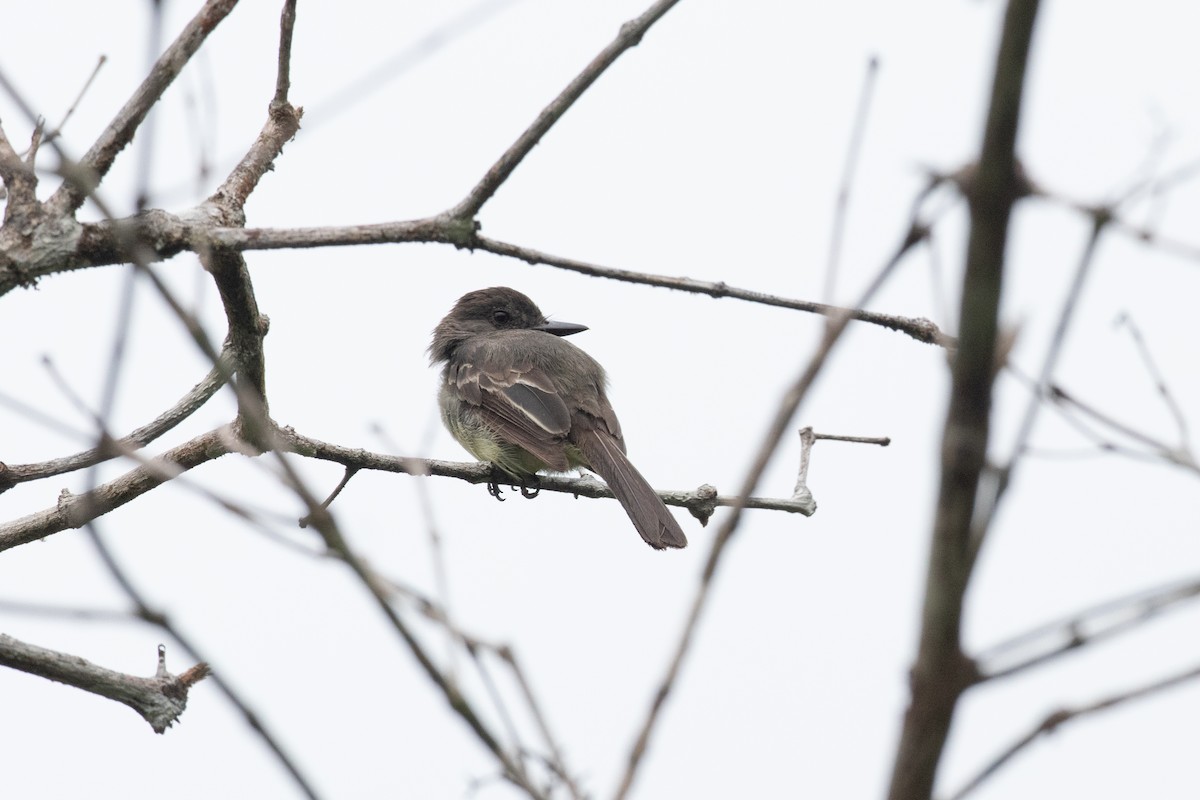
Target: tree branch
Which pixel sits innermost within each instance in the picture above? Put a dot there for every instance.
(283, 73)
(630, 35)
(188, 404)
(1055, 720)
(918, 328)
(94, 165)
(76, 510)
(941, 672)
(159, 700)
(19, 180)
(1048, 642)
(834, 328)
(701, 502)
(320, 518)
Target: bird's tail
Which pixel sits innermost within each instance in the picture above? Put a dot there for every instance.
(641, 503)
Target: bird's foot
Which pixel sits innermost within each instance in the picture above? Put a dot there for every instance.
(494, 483)
(530, 486)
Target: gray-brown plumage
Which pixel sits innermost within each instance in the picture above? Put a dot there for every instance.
(518, 396)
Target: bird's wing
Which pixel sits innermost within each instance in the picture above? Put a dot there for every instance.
(522, 405)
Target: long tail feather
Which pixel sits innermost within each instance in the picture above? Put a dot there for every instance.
(651, 518)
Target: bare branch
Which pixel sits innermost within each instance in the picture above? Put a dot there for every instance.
(19, 179)
(807, 440)
(853, 150)
(1053, 721)
(630, 35)
(283, 122)
(882, 441)
(403, 56)
(157, 617)
(556, 761)
(1179, 456)
(429, 229)
(834, 328)
(57, 132)
(74, 511)
(986, 502)
(701, 502)
(10, 475)
(941, 672)
(918, 328)
(159, 700)
(283, 76)
(247, 327)
(1048, 642)
(81, 613)
(1160, 381)
(1141, 233)
(1057, 342)
(164, 235)
(324, 523)
(99, 158)
(474, 646)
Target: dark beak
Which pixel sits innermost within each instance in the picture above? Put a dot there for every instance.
(560, 328)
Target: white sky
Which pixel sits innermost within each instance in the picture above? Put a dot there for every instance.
(713, 150)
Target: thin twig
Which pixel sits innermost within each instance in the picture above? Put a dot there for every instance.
(556, 761)
(1179, 456)
(1058, 340)
(882, 441)
(988, 502)
(1120, 223)
(145, 611)
(1061, 403)
(78, 613)
(439, 615)
(86, 174)
(57, 132)
(1054, 721)
(493, 692)
(148, 137)
(917, 327)
(346, 476)
(1051, 640)
(113, 448)
(853, 152)
(283, 74)
(791, 400)
(326, 526)
(630, 35)
(401, 57)
(1160, 381)
(437, 554)
(12, 474)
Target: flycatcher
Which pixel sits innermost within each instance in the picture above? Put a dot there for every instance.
(518, 396)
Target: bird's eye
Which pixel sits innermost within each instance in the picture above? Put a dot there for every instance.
(500, 316)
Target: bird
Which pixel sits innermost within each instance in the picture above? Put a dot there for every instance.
(517, 395)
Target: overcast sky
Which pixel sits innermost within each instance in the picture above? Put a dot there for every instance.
(713, 150)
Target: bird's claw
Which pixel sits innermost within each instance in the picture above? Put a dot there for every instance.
(493, 484)
(528, 484)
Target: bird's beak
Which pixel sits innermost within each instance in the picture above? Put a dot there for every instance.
(560, 328)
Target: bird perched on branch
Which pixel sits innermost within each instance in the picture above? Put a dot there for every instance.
(517, 395)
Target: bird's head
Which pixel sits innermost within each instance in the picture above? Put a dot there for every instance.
(486, 310)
